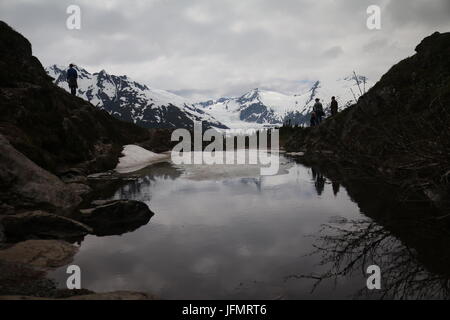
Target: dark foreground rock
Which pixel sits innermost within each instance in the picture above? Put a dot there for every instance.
(50, 142)
(80, 189)
(42, 254)
(45, 132)
(20, 279)
(24, 185)
(47, 124)
(42, 225)
(24, 267)
(112, 217)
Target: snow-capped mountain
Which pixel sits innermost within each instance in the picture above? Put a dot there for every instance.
(268, 108)
(133, 102)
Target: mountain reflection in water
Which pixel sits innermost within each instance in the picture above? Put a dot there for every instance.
(304, 233)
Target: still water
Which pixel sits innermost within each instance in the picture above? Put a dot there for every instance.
(225, 232)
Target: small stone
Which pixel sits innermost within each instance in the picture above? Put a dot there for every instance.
(113, 217)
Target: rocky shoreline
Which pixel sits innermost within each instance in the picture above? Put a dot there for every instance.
(24, 267)
(50, 142)
(37, 240)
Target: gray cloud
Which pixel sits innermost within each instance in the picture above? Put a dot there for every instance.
(433, 14)
(210, 48)
(333, 52)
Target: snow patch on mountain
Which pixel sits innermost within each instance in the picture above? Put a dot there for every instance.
(262, 108)
(131, 101)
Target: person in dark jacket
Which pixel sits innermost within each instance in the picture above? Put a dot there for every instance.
(334, 106)
(318, 109)
(72, 77)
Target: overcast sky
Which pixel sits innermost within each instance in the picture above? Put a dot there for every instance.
(205, 49)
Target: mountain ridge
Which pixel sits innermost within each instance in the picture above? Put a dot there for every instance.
(148, 107)
(134, 102)
(271, 108)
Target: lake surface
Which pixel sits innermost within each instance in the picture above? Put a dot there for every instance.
(225, 232)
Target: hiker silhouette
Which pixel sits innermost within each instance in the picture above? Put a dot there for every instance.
(72, 77)
(334, 106)
(318, 109)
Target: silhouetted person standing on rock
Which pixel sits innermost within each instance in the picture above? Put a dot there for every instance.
(318, 109)
(72, 77)
(334, 106)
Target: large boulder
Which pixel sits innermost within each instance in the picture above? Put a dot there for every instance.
(42, 225)
(42, 254)
(112, 217)
(23, 184)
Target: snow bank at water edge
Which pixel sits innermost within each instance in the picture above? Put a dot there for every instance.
(136, 158)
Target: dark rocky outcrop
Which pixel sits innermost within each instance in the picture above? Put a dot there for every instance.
(42, 225)
(24, 185)
(42, 254)
(48, 125)
(20, 279)
(399, 130)
(159, 141)
(80, 189)
(51, 141)
(24, 267)
(115, 216)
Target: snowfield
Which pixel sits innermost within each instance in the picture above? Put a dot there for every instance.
(135, 158)
(265, 108)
